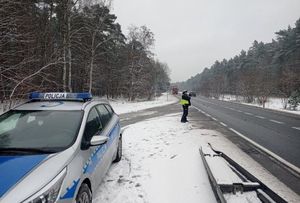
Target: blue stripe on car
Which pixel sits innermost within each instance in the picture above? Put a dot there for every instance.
(92, 162)
(14, 168)
(99, 152)
(70, 191)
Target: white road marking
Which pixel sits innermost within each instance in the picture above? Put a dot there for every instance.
(214, 119)
(239, 111)
(202, 111)
(206, 114)
(250, 114)
(274, 121)
(223, 124)
(199, 110)
(292, 168)
(275, 156)
(238, 133)
(297, 128)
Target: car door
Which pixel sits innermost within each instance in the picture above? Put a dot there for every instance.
(116, 129)
(96, 167)
(105, 117)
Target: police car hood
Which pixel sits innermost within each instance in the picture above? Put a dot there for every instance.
(23, 176)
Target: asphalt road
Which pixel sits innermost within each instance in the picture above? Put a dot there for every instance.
(277, 132)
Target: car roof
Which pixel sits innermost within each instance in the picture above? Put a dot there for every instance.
(57, 105)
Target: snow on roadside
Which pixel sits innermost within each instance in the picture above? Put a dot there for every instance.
(272, 103)
(161, 163)
(122, 107)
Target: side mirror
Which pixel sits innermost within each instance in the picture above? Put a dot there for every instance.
(98, 140)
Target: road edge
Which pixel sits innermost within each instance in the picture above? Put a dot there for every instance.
(267, 109)
(287, 165)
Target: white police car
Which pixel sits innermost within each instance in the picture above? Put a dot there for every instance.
(57, 148)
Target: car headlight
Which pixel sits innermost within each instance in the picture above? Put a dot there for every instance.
(50, 192)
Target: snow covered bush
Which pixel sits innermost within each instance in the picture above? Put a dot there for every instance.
(294, 99)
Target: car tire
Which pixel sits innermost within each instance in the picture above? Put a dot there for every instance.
(119, 150)
(84, 194)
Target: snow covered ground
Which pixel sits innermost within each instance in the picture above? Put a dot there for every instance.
(124, 106)
(272, 103)
(161, 163)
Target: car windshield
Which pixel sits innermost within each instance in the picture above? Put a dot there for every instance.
(38, 130)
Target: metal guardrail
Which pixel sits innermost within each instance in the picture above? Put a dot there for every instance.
(249, 182)
(216, 188)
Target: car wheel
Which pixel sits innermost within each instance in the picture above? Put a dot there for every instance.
(84, 195)
(119, 151)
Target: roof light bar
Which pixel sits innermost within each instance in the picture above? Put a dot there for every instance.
(60, 96)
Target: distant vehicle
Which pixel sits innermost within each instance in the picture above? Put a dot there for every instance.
(192, 94)
(57, 148)
(174, 90)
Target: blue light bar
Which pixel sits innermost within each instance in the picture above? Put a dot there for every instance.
(60, 96)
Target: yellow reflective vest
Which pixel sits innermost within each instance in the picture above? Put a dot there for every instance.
(184, 102)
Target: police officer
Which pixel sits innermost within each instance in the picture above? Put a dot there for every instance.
(185, 102)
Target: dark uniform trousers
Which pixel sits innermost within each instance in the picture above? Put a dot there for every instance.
(185, 113)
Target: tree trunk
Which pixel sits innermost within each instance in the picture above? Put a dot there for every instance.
(64, 70)
(91, 74)
(69, 48)
(92, 63)
(65, 62)
(70, 69)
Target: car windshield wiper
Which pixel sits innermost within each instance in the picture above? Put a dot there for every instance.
(27, 151)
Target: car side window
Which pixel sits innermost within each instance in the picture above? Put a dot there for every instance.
(104, 114)
(111, 111)
(92, 126)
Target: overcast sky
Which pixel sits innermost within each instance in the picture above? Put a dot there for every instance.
(192, 34)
